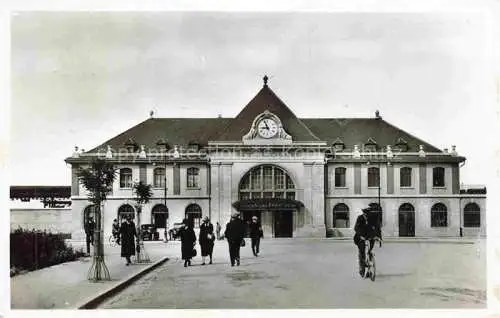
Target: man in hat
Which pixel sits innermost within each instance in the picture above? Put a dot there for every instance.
(367, 228)
(255, 234)
(235, 232)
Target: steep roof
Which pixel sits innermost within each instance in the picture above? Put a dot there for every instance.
(266, 99)
(358, 131)
(175, 131)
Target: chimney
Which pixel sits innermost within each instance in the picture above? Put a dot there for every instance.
(377, 115)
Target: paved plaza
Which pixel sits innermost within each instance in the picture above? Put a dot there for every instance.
(317, 273)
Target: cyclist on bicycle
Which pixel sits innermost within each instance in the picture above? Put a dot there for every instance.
(116, 231)
(367, 228)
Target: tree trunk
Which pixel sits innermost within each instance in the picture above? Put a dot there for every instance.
(98, 271)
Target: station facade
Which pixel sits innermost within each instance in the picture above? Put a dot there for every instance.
(303, 177)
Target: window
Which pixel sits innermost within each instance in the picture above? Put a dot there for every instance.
(159, 178)
(193, 178)
(405, 177)
(439, 215)
(373, 177)
(266, 181)
(193, 215)
(472, 215)
(340, 177)
(341, 216)
(124, 211)
(126, 178)
(159, 215)
(438, 177)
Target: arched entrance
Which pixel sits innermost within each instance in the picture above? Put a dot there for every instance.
(406, 220)
(193, 215)
(159, 216)
(268, 192)
(124, 211)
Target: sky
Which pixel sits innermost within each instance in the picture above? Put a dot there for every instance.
(80, 78)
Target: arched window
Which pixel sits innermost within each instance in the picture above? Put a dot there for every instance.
(341, 216)
(266, 181)
(193, 215)
(124, 211)
(439, 215)
(472, 215)
(406, 207)
(438, 177)
(126, 178)
(373, 177)
(193, 178)
(159, 215)
(340, 177)
(405, 177)
(159, 178)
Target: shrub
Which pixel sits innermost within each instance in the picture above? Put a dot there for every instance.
(31, 250)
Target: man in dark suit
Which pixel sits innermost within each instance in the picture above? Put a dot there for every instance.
(367, 228)
(234, 233)
(255, 235)
(89, 228)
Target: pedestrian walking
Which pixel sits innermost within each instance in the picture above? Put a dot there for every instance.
(206, 240)
(128, 232)
(234, 233)
(255, 235)
(217, 230)
(188, 242)
(89, 228)
(115, 230)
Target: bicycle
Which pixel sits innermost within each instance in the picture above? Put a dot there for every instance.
(370, 265)
(113, 240)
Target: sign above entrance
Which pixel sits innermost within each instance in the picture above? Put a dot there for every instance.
(268, 204)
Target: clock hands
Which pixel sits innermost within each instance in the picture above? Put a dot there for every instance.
(265, 123)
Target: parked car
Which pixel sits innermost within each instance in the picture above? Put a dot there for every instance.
(149, 232)
(174, 231)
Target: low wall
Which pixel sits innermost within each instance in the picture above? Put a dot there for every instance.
(53, 220)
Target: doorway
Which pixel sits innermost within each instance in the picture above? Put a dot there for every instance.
(247, 219)
(406, 220)
(283, 223)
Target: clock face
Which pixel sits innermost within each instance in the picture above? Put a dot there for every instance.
(267, 128)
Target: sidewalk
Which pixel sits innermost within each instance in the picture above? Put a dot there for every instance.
(65, 286)
(395, 239)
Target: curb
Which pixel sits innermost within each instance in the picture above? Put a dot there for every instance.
(415, 241)
(94, 301)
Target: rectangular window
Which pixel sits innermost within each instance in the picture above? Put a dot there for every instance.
(268, 177)
(244, 195)
(438, 177)
(340, 177)
(268, 194)
(373, 177)
(126, 178)
(289, 183)
(159, 178)
(405, 177)
(279, 195)
(290, 195)
(193, 178)
(279, 180)
(256, 179)
(256, 195)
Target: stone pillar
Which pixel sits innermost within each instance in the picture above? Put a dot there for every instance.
(215, 193)
(225, 188)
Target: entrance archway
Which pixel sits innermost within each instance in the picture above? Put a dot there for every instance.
(159, 216)
(406, 220)
(268, 192)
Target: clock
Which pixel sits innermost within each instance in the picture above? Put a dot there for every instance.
(267, 128)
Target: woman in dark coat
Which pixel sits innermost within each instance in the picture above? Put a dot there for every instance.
(188, 242)
(206, 240)
(128, 232)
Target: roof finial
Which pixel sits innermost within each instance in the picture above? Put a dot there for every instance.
(265, 80)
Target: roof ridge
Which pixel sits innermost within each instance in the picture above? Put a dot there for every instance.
(298, 119)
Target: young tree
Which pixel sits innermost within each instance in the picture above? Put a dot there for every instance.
(143, 194)
(98, 180)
